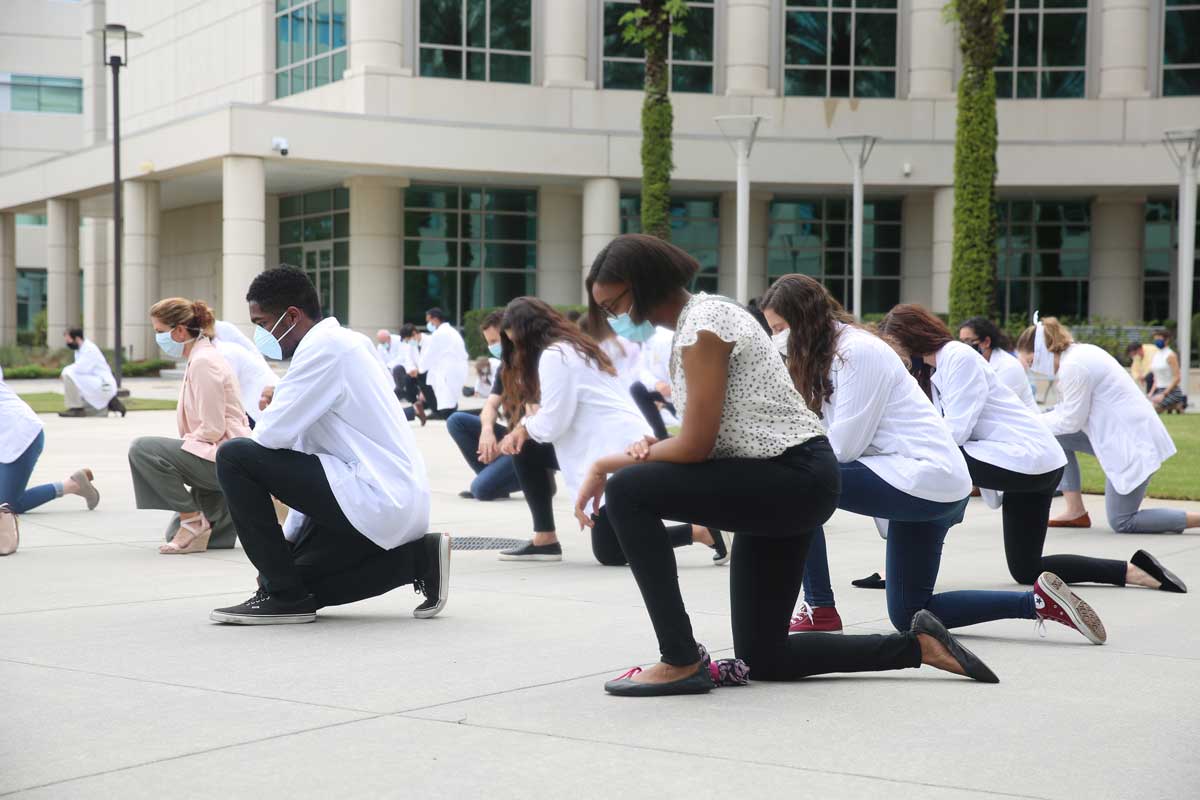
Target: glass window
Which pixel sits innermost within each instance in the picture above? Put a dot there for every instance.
(695, 228)
(1181, 48)
(690, 57)
(1044, 257)
(310, 44)
(314, 234)
(31, 296)
(1045, 50)
(43, 94)
(467, 247)
(31, 219)
(477, 40)
(1160, 260)
(812, 236)
(847, 50)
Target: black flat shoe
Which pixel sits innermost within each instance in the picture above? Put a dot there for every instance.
(73, 412)
(872, 581)
(116, 405)
(699, 682)
(720, 546)
(928, 624)
(533, 552)
(465, 494)
(1154, 568)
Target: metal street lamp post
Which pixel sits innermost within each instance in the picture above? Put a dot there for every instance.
(857, 150)
(739, 131)
(120, 36)
(1184, 147)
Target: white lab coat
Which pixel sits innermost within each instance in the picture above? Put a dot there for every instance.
(19, 426)
(336, 403)
(92, 375)
(585, 413)
(252, 372)
(878, 415)
(626, 357)
(444, 359)
(1011, 374)
(397, 352)
(655, 362)
(989, 421)
(233, 334)
(1098, 397)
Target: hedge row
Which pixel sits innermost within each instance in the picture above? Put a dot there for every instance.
(129, 369)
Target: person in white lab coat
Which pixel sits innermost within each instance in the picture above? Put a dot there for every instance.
(89, 387)
(254, 375)
(1102, 411)
(899, 461)
(583, 412)
(651, 391)
(333, 448)
(443, 361)
(986, 338)
(21, 442)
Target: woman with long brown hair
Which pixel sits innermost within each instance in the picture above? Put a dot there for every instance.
(180, 475)
(582, 412)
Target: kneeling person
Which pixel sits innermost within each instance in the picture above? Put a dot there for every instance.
(332, 447)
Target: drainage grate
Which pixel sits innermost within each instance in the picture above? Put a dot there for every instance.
(483, 543)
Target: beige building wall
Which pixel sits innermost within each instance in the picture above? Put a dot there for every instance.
(190, 254)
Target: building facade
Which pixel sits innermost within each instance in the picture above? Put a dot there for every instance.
(463, 152)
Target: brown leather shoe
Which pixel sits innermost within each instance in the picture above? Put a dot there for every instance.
(1079, 522)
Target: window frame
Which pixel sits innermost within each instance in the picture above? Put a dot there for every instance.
(1091, 51)
(413, 35)
(304, 245)
(901, 13)
(14, 80)
(1158, 45)
(1172, 250)
(311, 58)
(1004, 226)
(596, 70)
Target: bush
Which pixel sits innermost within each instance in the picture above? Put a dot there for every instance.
(476, 345)
(148, 368)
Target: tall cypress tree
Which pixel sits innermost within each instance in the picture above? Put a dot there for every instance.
(973, 265)
(651, 25)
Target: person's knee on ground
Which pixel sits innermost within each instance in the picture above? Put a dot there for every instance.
(1123, 522)
(605, 546)
(901, 618)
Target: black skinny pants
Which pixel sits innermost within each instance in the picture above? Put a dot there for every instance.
(646, 400)
(533, 466)
(751, 497)
(331, 560)
(1025, 513)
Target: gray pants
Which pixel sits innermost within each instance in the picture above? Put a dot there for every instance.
(167, 477)
(1122, 509)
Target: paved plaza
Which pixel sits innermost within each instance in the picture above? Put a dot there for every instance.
(114, 683)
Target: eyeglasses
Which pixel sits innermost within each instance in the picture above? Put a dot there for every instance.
(607, 308)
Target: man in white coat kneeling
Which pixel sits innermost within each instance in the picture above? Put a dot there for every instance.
(332, 447)
(444, 362)
(89, 388)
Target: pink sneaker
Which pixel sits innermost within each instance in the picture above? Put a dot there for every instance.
(822, 619)
(1054, 600)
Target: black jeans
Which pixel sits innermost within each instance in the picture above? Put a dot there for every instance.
(646, 400)
(1026, 511)
(773, 505)
(331, 560)
(534, 465)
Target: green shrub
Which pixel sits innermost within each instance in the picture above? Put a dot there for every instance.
(141, 369)
(476, 345)
(28, 372)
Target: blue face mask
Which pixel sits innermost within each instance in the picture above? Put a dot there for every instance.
(1160, 343)
(170, 347)
(622, 325)
(266, 342)
(495, 349)
(429, 326)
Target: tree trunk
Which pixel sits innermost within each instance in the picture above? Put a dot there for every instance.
(658, 121)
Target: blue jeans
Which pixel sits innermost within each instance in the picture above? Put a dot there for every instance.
(492, 481)
(15, 476)
(916, 532)
(1122, 510)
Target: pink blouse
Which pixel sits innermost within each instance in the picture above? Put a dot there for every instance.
(210, 411)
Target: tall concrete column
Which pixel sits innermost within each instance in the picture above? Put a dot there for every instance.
(931, 46)
(760, 203)
(97, 282)
(272, 230)
(560, 237)
(1118, 224)
(62, 267)
(916, 258)
(601, 217)
(376, 234)
(943, 248)
(139, 270)
(376, 37)
(564, 43)
(243, 233)
(95, 85)
(8, 278)
(1124, 48)
(748, 47)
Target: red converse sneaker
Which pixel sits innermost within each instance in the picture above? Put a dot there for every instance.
(1055, 601)
(822, 619)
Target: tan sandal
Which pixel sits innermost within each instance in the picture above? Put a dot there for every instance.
(196, 541)
(83, 478)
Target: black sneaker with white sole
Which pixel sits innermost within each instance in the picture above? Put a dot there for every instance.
(266, 609)
(533, 552)
(720, 546)
(435, 581)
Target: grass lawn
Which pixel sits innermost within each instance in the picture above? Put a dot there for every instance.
(52, 402)
(1179, 477)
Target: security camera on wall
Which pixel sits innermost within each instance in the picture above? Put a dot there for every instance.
(280, 145)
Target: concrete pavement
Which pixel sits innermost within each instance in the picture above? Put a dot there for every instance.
(113, 682)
